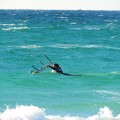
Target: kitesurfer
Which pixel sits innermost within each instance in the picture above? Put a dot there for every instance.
(55, 68)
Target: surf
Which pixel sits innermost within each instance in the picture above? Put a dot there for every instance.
(22, 112)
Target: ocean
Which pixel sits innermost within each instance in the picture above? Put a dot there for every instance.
(84, 43)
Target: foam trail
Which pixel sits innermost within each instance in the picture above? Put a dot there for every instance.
(101, 74)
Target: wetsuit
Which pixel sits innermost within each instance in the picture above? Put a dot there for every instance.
(58, 70)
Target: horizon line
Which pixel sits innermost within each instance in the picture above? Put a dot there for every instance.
(60, 9)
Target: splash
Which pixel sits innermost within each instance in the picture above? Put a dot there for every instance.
(36, 113)
(23, 113)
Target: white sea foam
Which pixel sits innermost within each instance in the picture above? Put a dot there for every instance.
(73, 23)
(100, 15)
(7, 24)
(65, 46)
(92, 27)
(72, 46)
(91, 46)
(89, 28)
(23, 113)
(36, 113)
(69, 46)
(26, 46)
(105, 92)
(77, 28)
(62, 17)
(30, 46)
(115, 48)
(15, 28)
(112, 37)
(102, 74)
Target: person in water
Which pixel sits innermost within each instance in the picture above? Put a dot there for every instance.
(56, 68)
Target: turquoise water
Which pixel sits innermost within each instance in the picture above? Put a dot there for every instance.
(85, 43)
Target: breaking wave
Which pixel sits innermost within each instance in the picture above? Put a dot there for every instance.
(35, 113)
(108, 92)
(15, 28)
(7, 24)
(69, 46)
(30, 46)
(25, 46)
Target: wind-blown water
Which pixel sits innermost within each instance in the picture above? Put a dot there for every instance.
(83, 43)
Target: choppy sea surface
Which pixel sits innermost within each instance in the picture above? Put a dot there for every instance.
(83, 43)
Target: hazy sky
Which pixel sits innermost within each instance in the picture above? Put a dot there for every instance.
(61, 4)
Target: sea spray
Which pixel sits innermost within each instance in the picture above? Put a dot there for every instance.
(35, 113)
(23, 113)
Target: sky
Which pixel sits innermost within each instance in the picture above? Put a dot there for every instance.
(61, 4)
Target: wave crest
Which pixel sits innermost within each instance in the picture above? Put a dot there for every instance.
(15, 28)
(23, 113)
(36, 113)
(30, 46)
(71, 46)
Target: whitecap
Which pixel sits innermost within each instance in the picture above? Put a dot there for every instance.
(35, 113)
(62, 17)
(109, 47)
(29, 46)
(75, 28)
(100, 15)
(91, 46)
(23, 113)
(115, 73)
(65, 46)
(15, 28)
(105, 92)
(92, 27)
(112, 37)
(100, 46)
(73, 23)
(89, 28)
(7, 24)
(104, 114)
(25, 46)
(70, 46)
